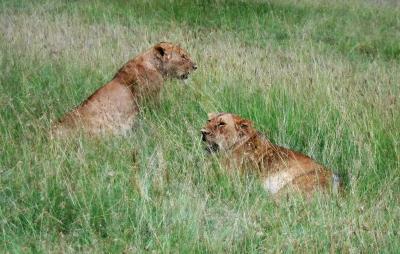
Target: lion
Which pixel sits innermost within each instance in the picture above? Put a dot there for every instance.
(281, 170)
(113, 107)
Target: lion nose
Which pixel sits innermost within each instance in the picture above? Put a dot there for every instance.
(204, 133)
(194, 66)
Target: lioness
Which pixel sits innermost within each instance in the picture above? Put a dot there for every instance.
(243, 147)
(113, 107)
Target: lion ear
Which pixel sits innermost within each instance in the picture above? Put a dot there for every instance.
(211, 115)
(159, 49)
(244, 124)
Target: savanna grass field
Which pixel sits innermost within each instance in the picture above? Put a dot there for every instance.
(320, 77)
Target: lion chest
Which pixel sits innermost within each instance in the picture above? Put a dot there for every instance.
(275, 182)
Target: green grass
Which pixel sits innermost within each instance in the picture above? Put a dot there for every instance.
(321, 77)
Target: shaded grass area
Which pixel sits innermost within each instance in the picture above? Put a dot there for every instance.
(155, 189)
(344, 29)
(350, 28)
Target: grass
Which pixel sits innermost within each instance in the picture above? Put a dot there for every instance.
(320, 77)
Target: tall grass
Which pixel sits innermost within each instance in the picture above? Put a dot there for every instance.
(322, 78)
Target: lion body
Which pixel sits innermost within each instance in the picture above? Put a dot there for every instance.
(281, 170)
(113, 107)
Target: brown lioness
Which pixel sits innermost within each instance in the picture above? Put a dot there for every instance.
(113, 107)
(242, 147)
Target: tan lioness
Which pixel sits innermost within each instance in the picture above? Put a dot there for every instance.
(282, 170)
(114, 106)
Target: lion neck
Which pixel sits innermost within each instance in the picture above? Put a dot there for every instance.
(252, 145)
(141, 68)
(256, 153)
(248, 150)
(159, 66)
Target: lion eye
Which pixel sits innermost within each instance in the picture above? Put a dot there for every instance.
(221, 124)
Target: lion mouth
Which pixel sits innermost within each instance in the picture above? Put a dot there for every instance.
(212, 148)
(184, 76)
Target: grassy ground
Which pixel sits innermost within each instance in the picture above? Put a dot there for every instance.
(321, 77)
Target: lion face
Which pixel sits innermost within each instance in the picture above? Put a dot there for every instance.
(224, 131)
(176, 62)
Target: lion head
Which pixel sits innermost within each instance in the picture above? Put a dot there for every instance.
(224, 131)
(175, 61)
